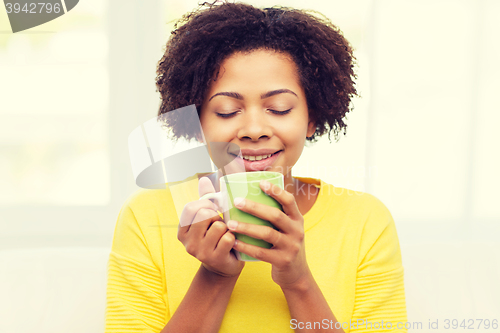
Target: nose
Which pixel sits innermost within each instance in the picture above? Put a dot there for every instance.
(254, 126)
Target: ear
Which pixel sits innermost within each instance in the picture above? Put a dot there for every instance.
(311, 128)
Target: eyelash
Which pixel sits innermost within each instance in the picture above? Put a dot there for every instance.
(229, 115)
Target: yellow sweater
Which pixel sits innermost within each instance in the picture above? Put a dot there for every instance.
(352, 250)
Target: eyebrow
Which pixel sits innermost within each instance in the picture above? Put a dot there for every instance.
(265, 95)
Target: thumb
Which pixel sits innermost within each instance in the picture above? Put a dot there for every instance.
(205, 186)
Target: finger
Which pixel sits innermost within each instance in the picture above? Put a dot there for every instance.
(205, 186)
(196, 232)
(275, 216)
(257, 252)
(225, 244)
(189, 215)
(263, 232)
(191, 208)
(194, 239)
(213, 235)
(201, 222)
(285, 198)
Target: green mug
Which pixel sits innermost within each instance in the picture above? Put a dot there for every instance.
(245, 185)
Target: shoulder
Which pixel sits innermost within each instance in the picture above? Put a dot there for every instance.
(151, 198)
(162, 204)
(361, 208)
(141, 208)
(149, 206)
(360, 202)
(146, 199)
(365, 224)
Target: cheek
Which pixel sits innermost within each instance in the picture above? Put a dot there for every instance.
(208, 126)
(294, 140)
(215, 130)
(294, 129)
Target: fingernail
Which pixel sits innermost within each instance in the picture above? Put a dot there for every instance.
(215, 206)
(265, 184)
(235, 243)
(239, 202)
(232, 225)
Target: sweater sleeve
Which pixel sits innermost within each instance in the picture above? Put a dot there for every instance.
(379, 304)
(135, 301)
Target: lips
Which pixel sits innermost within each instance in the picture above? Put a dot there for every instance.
(256, 158)
(233, 149)
(258, 165)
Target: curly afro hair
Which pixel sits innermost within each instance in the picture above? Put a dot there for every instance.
(204, 38)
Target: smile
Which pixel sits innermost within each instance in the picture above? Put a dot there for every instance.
(259, 162)
(255, 158)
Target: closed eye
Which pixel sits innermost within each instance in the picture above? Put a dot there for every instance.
(280, 112)
(229, 115)
(226, 115)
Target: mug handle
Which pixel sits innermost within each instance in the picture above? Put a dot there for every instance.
(217, 196)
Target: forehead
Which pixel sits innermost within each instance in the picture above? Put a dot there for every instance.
(258, 70)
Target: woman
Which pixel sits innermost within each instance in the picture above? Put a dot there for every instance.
(266, 80)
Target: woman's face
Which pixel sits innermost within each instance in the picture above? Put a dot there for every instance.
(258, 104)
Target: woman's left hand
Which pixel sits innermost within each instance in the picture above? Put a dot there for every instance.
(287, 256)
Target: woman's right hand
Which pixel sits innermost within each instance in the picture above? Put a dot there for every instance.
(206, 237)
